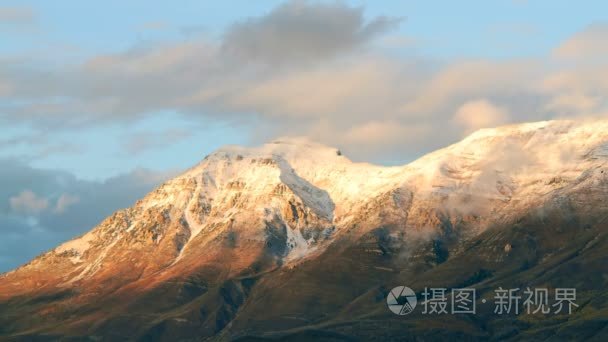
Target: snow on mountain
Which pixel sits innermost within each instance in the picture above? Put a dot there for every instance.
(513, 161)
(297, 195)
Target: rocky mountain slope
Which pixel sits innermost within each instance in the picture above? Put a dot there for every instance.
(293, 240)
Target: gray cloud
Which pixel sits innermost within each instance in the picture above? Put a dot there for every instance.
(41, 208)
(189, 76)
(303, 31)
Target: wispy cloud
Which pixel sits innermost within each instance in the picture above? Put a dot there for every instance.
(16, 15)
(142, 141)
(590, 43)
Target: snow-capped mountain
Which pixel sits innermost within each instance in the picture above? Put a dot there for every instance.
(205, 249)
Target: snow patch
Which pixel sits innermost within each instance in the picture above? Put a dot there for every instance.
(76, 247)
(298, 246)
(93, 267)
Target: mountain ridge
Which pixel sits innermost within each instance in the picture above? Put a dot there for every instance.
(333, 185)
(247, 216)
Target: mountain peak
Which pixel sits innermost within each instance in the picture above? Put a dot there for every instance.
(288, 148)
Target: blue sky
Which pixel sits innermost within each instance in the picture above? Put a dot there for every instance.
(101, 101)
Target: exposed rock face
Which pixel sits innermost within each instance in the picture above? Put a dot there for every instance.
(294, 235)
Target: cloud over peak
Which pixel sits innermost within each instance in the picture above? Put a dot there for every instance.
(477, 114)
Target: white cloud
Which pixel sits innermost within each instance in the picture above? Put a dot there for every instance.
(27, 202)
(477, 114)
(574, 103)
(64, 202)
(352, 89)
(589, 43)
